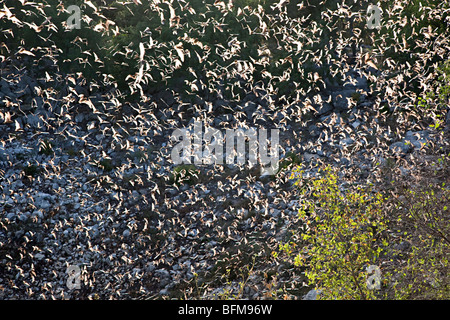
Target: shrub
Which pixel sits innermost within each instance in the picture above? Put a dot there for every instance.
(339, 238)
(290, 159)
(435, 100)
(31, 170)
(46, 147)
(71, 50)
(354, 239)
(106, 165)
(356, 96)
(185, 173)
(423, 215)
(196, 48)
(72, 152)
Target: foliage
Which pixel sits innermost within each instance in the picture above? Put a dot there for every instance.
(356, 96)
(339, 237)
(31, 170)
(423, 214)
(348, 232)
(106, 164)
(290, 159)
(41, 29)
(185, 173)
(435, 100)
(228, 292)
(46, 147)
(227, 49)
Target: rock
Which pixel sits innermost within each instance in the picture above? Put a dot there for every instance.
(344, 161)
(225, 118)
(166, 97)
(79, 118)
(330, 83)
(42, 204)
(45, 114)
(403, 246)
(26, 107)
(24, 216)
(361, 82)
(5, 88)
(42, 200)
(249, 109)
(162, 273)
(356, 124)
(347, 142)
(39, 256)
(365, 104)
(10, 216)
(250, 97)
(163, 292)
(38, 214)
(417, 139)
(150, 267)
(176, 267)
(33, 121)
(82, 90)
(308, 156)
(314, 130)
(193, 233)
(341, 99)
(4, 155)
(324, 108)
(275, 213)
(38, 103)
(400, 147)
(312, 294)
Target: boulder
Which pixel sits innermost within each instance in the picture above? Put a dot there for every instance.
(417, 139)
(250, 109)
(342, 99)
(312, 294)
(324, 108)
(401, 147)
(34, 121)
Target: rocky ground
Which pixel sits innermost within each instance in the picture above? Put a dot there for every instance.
(88, 181)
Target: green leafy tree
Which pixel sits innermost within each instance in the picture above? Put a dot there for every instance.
(340, 237)
(422, 271)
